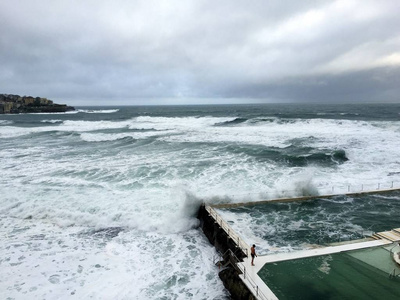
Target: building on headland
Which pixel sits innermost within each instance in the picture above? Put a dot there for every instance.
(28, 100)
(7, 107)
(10, 104)
(45, 101)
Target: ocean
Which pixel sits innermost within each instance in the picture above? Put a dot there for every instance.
(101, 203)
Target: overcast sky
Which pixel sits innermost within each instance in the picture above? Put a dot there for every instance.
(187, 52)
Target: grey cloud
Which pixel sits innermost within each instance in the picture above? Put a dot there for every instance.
(133, 50)
(377, 85)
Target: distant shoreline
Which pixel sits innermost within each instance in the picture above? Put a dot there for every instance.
(15, 104)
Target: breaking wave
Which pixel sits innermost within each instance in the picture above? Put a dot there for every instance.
(333, 158)
(99, 111)
(103, 137)
(51, 121)
(6, 122)
(298, 157)
(232, 122)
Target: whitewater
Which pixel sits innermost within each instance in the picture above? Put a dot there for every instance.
(101, 203)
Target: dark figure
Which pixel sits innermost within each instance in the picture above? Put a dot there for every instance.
(253, 254)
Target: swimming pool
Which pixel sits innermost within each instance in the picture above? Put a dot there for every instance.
(357, 274)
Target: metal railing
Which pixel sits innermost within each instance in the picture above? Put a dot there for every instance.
(236, 263)
(229, 231)
(349, 188)
(316, 191)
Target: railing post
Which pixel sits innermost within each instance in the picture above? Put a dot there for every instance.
(348, 188)
(379, 185)
(392, 185)
(257, 290)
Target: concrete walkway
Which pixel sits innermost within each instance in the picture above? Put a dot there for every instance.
(253, 281)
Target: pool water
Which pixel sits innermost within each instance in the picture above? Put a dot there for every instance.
(359, 274)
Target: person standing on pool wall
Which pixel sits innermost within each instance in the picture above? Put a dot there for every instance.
(253, 254)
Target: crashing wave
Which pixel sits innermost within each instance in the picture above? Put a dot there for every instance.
(231, 122)
(100, 111)
(51, 121)
(6, 122)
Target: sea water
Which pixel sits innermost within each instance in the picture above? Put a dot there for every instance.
(277, 227)
(101, 203)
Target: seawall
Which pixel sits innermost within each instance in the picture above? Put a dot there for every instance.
(224, 244)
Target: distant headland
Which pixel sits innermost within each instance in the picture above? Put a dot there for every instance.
(15, 104)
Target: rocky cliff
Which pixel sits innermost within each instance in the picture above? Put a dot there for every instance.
(14, 104)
